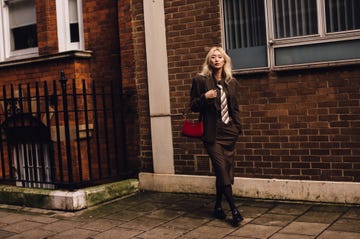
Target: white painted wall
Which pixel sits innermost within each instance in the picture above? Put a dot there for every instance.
(277, 189)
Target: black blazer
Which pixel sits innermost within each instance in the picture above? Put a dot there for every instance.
(209, 109)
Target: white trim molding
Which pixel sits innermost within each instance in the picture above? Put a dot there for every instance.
(275, 189)
(63, 26)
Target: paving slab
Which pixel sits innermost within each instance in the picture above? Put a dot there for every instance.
(209, 232)
(270, 219)
(319, 217)
(353, 213)
(62, 225)
(125, 215)
(162, 232)
(341, 235)
(251, 211)
(346, 225)
(22, 226)
(33, 234)
(290, 208)
(290, 236)
(76, 233)
(144, 223)
(117, 232)
(101, 224)
(304, 228)
(148, 215)
(256, 231)
(6, 234)
(187, 222)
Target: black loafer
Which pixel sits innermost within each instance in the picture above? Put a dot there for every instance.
(236, 218)
(219, 213)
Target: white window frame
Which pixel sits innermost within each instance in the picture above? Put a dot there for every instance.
(272, 43)
(321, 37)
(63, 26)
(5, 38)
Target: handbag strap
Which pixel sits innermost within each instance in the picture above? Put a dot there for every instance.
(185, 114)
(200, 117)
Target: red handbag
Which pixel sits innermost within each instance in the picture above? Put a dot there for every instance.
(193, 128)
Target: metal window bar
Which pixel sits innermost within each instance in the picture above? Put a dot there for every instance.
(244, 23)
(33, 173)
(294, 18)
(342, 15)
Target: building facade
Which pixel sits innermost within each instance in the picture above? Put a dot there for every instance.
(62, 121)
(297, 64)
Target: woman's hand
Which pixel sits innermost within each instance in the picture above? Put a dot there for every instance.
(211, 94)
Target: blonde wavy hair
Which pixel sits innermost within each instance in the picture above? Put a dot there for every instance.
(227, 69)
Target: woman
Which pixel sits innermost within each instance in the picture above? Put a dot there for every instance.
(221, 123)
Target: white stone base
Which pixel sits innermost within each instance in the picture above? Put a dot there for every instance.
(67, 200)
(279, 189)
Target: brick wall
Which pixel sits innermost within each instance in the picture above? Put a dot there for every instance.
(134, 78)
(296, 124)
(102, 37)
(47, 27)
(101, 33)
(302, 124)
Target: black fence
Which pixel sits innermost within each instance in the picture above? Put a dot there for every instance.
(61, 134)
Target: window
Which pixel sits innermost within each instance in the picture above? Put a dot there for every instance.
(294, 18)
(245, 29)
(342, 15)
(19, 28)
(276, 33)
(73, 21)
(32, 165)
(70, 28)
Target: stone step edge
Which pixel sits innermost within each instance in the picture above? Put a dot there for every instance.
(67, 200)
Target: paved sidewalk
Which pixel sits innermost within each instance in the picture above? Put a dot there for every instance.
(149, 215)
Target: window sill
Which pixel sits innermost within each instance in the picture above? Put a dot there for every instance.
(251, 71)
(317, 65)
(35, 59)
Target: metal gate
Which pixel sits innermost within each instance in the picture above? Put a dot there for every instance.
(62, 134)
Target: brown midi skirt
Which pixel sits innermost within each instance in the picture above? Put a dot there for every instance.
(222, 152)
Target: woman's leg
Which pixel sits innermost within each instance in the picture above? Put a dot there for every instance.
(222, 156)
(218, 210)
(219, 193)
(236, 216)
(229, 196)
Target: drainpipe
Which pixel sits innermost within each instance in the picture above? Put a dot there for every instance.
(158, 84)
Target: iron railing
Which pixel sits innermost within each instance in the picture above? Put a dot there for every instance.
(61, 134)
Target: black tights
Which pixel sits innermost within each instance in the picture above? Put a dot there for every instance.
(227, 191)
